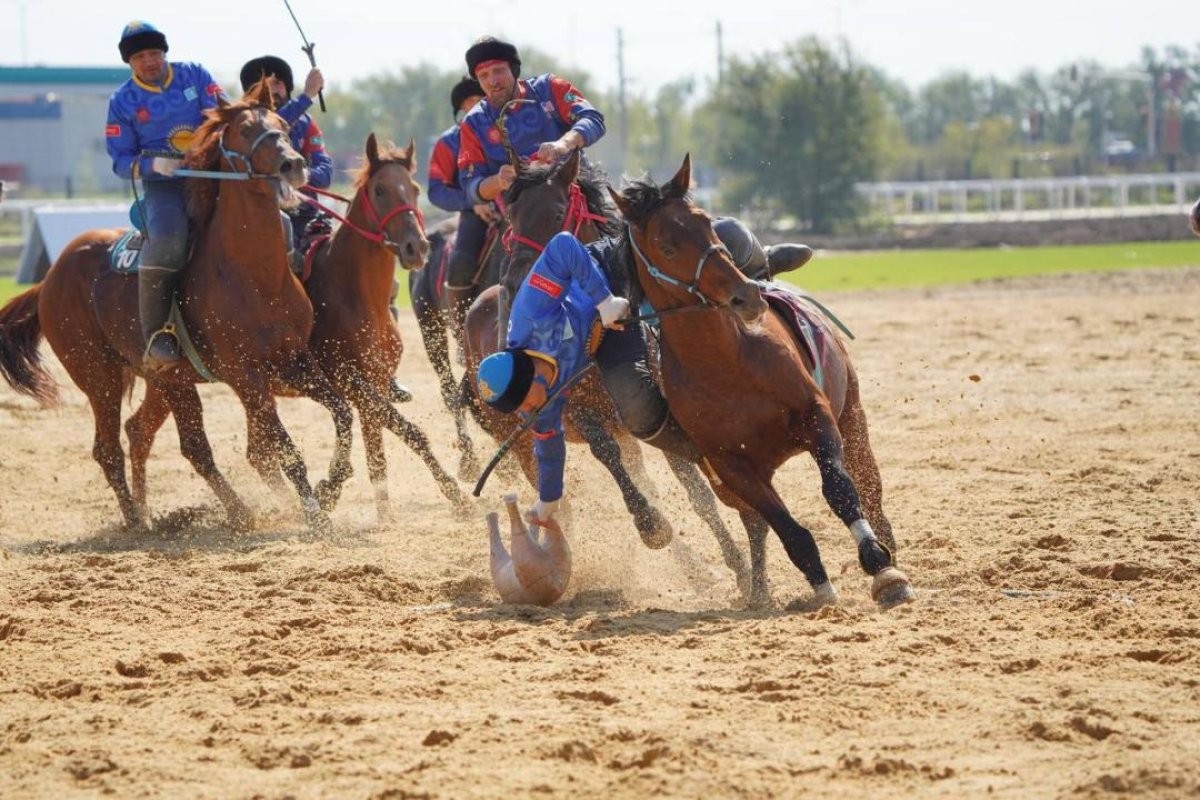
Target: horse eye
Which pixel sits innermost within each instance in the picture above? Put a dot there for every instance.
(379, 191)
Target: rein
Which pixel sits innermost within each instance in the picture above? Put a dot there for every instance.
(379, 236)
(578, 214)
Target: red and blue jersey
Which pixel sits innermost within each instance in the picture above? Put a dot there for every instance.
(444, 191)
(552, 315)
(558, 108)
(307, 140)
(146, 120)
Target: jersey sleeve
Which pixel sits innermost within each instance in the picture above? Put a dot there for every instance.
(575, 112)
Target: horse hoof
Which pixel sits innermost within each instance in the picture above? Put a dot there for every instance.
(319, 524)
(890, 588)
(655, 530)
(328, 494)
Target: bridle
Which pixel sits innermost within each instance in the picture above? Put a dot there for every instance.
(578, 214)
(379, 235)
(663, 278)
(247, 160)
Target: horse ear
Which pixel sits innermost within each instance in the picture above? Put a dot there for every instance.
(622, 205)
(372, 149)
(682, 181)
(409, 155)
(569, 171)
(260, 95)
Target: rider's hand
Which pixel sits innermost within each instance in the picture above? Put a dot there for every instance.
(551, 152)
(165, 166)
(612, 310)
(314, 83)
(506, 176)
(542, 512)
(486, 212)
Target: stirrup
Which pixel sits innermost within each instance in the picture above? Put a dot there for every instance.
(168, 328)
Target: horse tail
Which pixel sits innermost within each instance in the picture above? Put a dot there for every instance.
(20, 362)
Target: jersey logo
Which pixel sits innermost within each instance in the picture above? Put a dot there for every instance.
(317, 141)
(112, 130)
(143, 115)
(493, 135)
(190, 93)
(213, 90)
(548, 106)
(544, 284)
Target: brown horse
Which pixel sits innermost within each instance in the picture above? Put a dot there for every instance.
(542, 202)
(247, 315)
(735, 359)
(354, 339)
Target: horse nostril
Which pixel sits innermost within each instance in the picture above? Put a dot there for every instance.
(286, 168)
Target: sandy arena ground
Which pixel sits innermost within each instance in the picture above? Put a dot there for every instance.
(1041, 457)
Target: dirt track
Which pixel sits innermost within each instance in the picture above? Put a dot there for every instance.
(1047, 512)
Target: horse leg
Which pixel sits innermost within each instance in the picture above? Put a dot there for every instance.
(432, 324)
(890, 586)
(105, 399)
(372, 431)
(306, 375)
(263, 457)
(141, 428)
(254, 392)
(741, 477)
(184, 403)
(651, 525)
(756, 533)
(864, 471)
(704, 503)
(370, 402)
(632, 457)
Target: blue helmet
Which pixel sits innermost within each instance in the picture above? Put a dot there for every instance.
(138, 36)
(504, 379)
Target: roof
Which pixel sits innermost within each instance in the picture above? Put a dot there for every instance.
(108, 76)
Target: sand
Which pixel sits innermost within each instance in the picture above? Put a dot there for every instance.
(1040, 449)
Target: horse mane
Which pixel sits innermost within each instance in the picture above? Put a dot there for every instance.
(388, 154)
(643, 197)
(205, 154)
(591, 181)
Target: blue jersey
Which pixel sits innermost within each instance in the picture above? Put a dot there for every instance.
(558, 108)
(552, 315)
(145, 120)
(308, 141)
(444, 191)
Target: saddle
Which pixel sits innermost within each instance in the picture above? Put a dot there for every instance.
(804, 319)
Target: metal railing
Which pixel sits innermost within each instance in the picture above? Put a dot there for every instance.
(1032, 198)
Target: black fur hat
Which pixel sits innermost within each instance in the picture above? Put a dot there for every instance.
(465, 88)
(138, 36)
(490, 48)
(256, 68)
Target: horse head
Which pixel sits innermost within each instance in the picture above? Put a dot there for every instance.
(1194, 218)
(678, 257)
(386, 188)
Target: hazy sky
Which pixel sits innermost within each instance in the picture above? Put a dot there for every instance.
(914, 40)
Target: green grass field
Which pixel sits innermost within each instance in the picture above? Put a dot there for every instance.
(917, 268)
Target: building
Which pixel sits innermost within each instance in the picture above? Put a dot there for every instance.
(52, 128)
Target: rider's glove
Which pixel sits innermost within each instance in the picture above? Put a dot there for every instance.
(543, 511)
(165, 166)
(612, 310)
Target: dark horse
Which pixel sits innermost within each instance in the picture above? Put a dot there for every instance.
(354, 339)
(542, 202)
(426, 288)
(246, 313)
(734, 359)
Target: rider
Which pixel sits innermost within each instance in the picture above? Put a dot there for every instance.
(564, 313)
(152, 118)
(562, 121)
(306, 139)
(446, 193)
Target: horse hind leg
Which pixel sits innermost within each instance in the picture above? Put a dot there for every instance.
(704, 503)
(372, 431)
(432, 324)
(756, 533)
(141, 428)
(184, 402)
(864, 471)
(308, 377)
(106, 449)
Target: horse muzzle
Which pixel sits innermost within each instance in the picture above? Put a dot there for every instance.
(748, 303)
(410, 250)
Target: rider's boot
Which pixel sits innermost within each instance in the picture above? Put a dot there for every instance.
(671, 438)
(787, 257)
(156, 290)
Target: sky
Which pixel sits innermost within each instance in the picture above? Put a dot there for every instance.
(664, 40)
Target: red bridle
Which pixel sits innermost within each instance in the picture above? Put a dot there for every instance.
(578, 213)
(379, 236)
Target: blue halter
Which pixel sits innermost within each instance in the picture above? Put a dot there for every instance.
(662, 277)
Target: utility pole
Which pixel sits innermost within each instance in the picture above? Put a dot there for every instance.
(622, 108)
(720, 56)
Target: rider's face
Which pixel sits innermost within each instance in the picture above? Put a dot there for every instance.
(278, 90)
(497, 81)
(535, 398)
(149, 65)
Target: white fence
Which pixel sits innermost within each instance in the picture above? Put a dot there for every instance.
(1032, 198)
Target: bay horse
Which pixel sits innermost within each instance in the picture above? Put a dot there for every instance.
(354, 339)
(543, 201)
(734, 359)
(246, 314)
(436, 323)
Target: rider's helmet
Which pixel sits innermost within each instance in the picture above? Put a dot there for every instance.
(504, 379)
(489, 48)
(138, 36)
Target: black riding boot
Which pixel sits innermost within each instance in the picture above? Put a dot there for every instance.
(671, 438)
(156, 290)
(786, 257)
